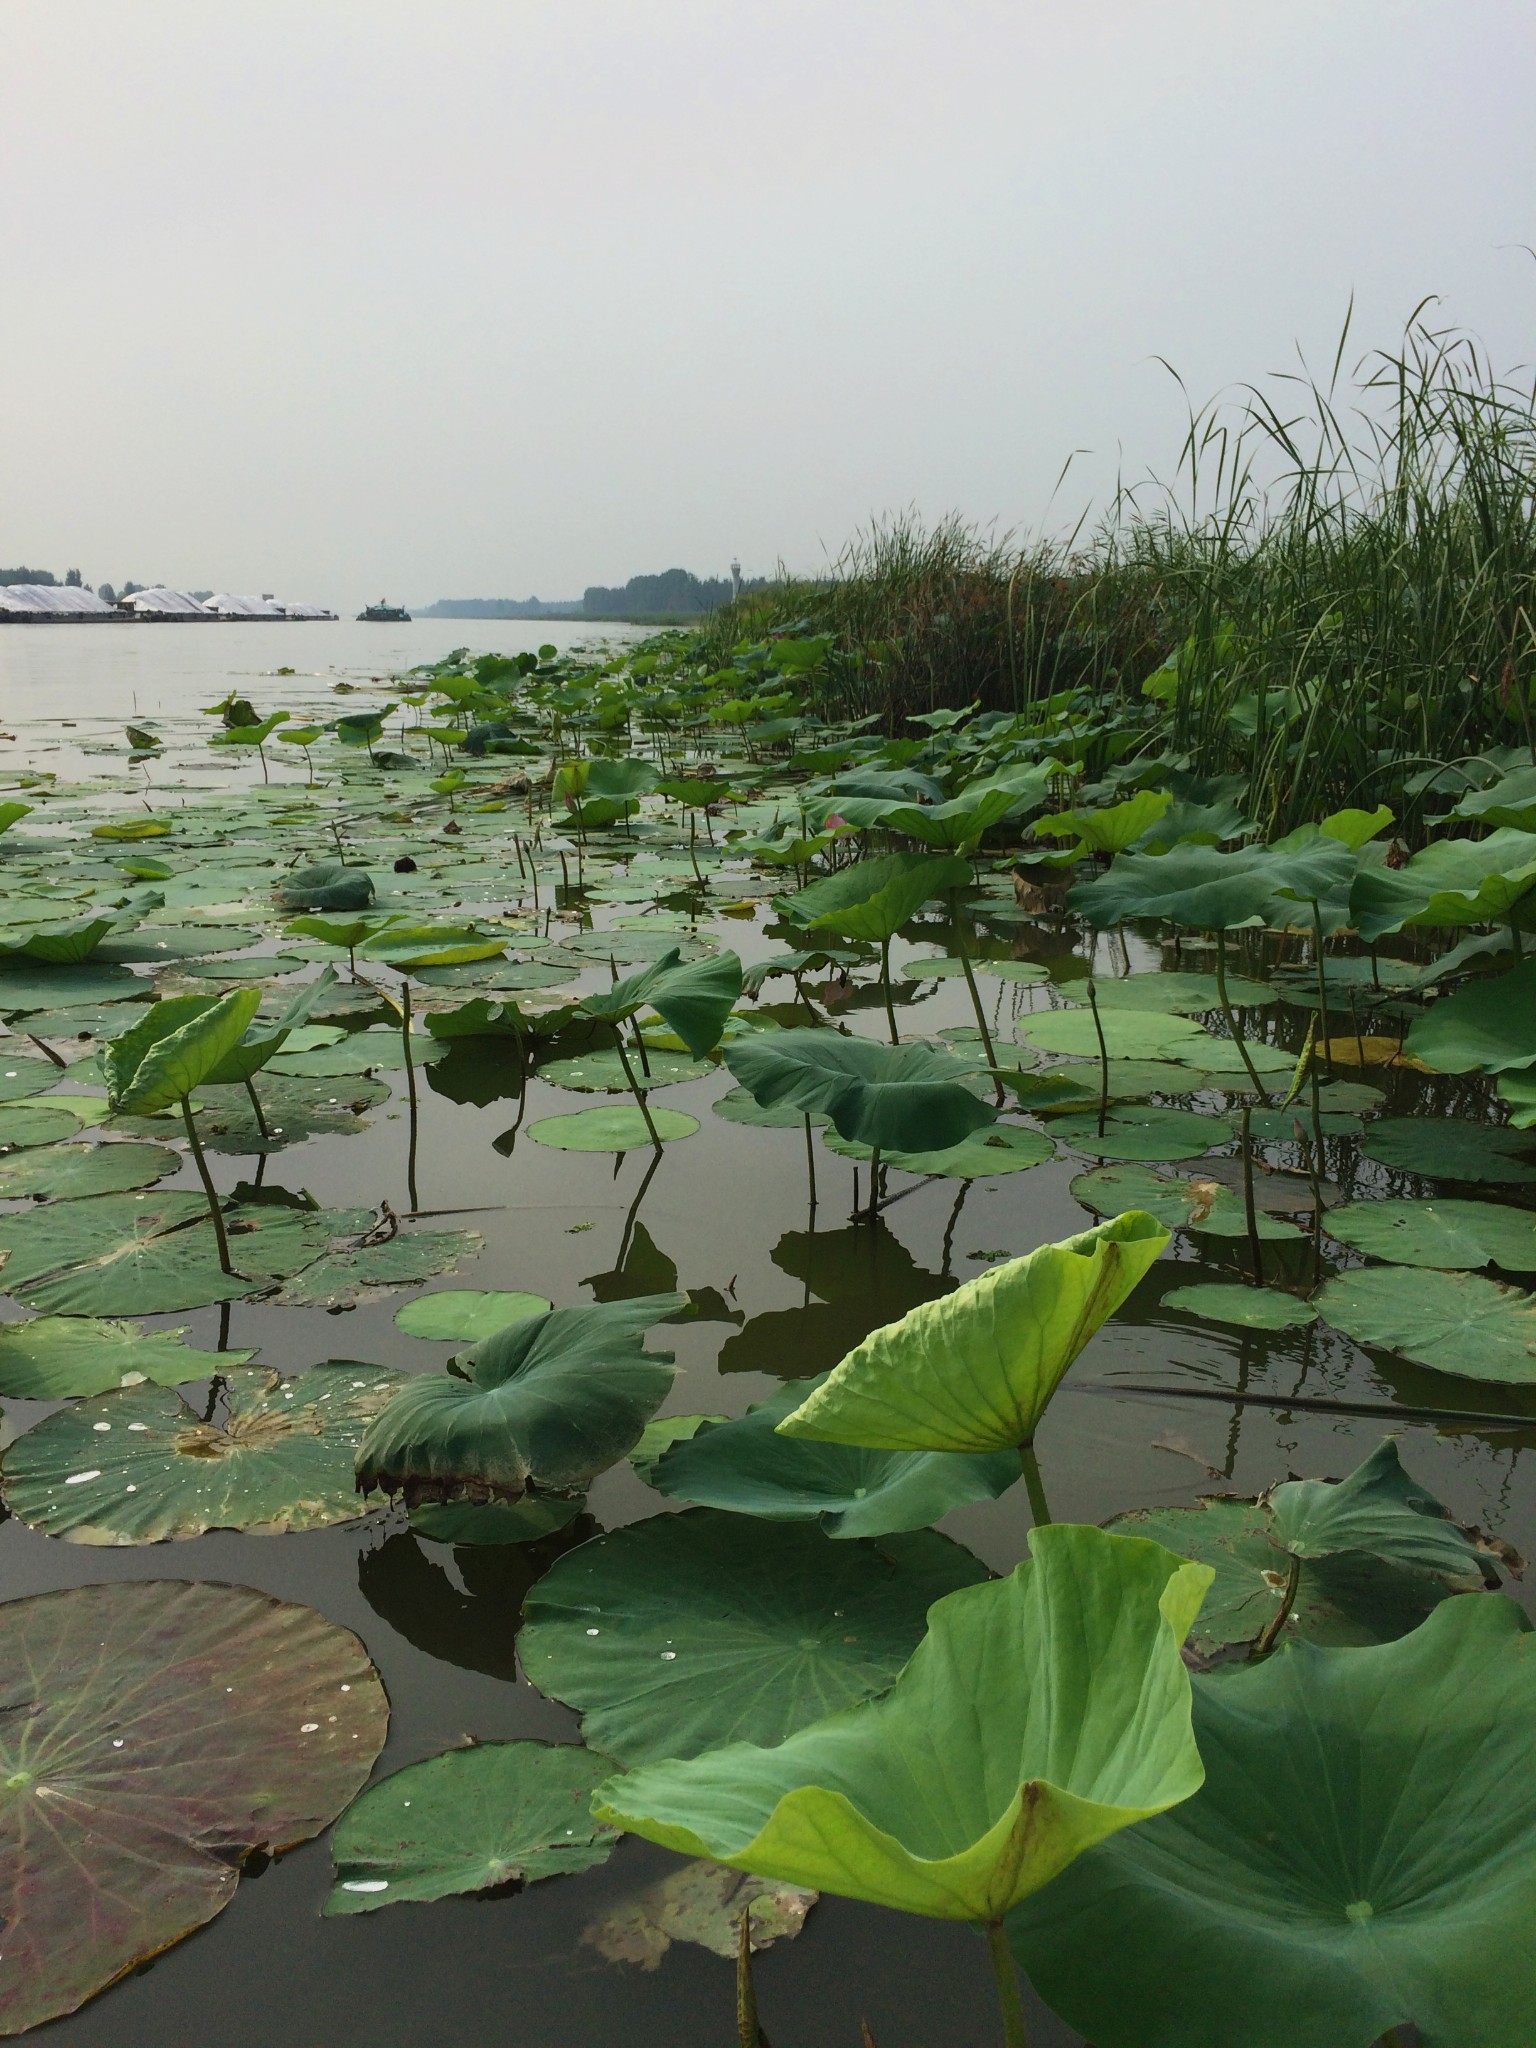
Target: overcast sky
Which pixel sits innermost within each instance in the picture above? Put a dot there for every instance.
(496, 297)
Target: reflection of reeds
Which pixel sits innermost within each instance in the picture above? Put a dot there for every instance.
(1345, 573)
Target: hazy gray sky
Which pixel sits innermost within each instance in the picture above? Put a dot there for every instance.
(490, 297)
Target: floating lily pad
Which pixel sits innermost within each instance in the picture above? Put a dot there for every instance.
(617, 1129)
(1249, 1308)
(951, 969)
(66, 1172)
(25, 985)
(360, 1052)
(1222, 1058)
(27, 1123)
(1450, 1148)
(1362, 1810)
(249, 967)
(996, 1148)
(341, 1279)
(86, 1020)
(21, 1077)
(465, 1315)
(1179, 993)
(737, 1106)
(1128, 1034)
(528, 1520)
(511, 975)
(151, 944)
(602, 1073)
(1456, 1322)
(208, 1721)
(685, 1632)
(58, 1358)
(140, 1466)
(470, 1820)
(127, 1255)
(1195, 1202)
(1445, 1234)
(702, 1903)
(294, 1109)
(630, 948)
(744, 1467)
(1136, 1133)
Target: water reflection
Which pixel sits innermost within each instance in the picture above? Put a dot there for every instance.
(464, 1605)
(862, 1275)
(644, 1268)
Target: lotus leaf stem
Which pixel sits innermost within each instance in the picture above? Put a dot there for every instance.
(57, 1058)
(256, 1110)
(1278, 1620)
(1231, 1020)
(410, 1083)
(885, 983)
(1250, 1212)
(810, 1162)
(1098, 1028)
(1039, 1506)
(639, 1094)
(1322, 978)
(214, 1211)
(1514, 938)
(1008, 1994)
(748, 2032)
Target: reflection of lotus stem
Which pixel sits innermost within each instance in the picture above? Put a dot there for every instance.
(1514, 936)
(748, 2032)
(206, 1178)
(1231, 1021)
(810, 1162)
(1271, 1634)
(1008, 1996)
(976, 1003)
(1322, 978)
(410, 1083)
(885, 983)
(1039, 1506)
(1251, 1214)
(261, 1122)
(639, 1094)
(1093, 1004)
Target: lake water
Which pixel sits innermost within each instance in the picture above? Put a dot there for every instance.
(727, 1210)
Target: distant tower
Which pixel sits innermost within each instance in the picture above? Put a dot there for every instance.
(735, 580)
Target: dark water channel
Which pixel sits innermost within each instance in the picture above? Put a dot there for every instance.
(727, 1211)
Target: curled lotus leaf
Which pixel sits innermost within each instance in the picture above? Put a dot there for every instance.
(160, 1732)
(901, 1098)
(1041, 1714)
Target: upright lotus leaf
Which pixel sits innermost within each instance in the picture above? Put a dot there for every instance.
(251, 1054)
(361, 728)
(1112, 829)
(975, 1370)
(327, 885)
(11, 812)
(141, 1466)
(956, 825)
(178, 1044)
(1453, 882)
(1355, 828)
(1486, 1028)
(470, 1820)
(896, 1098)
(742, 1465)
(681, 1633)
(693, 997)
(1040, 1715)
(64, 942)
(349, 932)
(550, 1401)
(1380, 1509)
(155, 1734)
(874, 898)
(1361, 1858)
(1204, 890)
(1511, 801)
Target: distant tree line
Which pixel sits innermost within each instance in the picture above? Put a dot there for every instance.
(675, 593)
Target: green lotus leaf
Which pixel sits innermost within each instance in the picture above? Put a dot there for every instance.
(739, 1106)
(1363, 1809)
(1179, 993)
(259, 1045)
(208, 1721)
(1450, 1148)
(467, 1821)
(1064, 1087)
(177, 1045)
(1483, 1029)
(25, 985)
(1128, 1034)
(1246, 1308)
(1335, 1601)
(901, 1098)
(1446, 1234)
(1204, 890)
(658, 1437)
(516, 976)
(1510, 801)
(551, 1401)
(1452, 883)
(627, 947)
(347, 1275)
(10, 812)
(975, 1370)
(684, 1632)
(620, 1128)
(25, 1124)
(996, 1148)
(66, 1172)
(409, 946)
(744, 1467)
(1135, 1132)
(1129, 1081)
(951, 969)
(694, 998)
(1517, 1091)
(58, 1358)
(328, 885)
(464, 1315)
(64, 943)
(1111, 829)
(145, 1254)
(529, 1520)
(873, 899)
(249, 967)
(346, 932)
(602, 1073)
(21, 1077)
(1380, 1509)
(1040, 1715)
(378, 1050)
(1192, 1203)
(293, 1109)
(1222, 1061)
(141, 1466)
(703, 1903)
(1456, 1322)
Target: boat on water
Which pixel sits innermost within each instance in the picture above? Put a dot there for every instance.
(385, 614)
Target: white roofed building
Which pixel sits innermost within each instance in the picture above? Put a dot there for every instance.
(228, 606)
(45, 601)
(161, 603)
